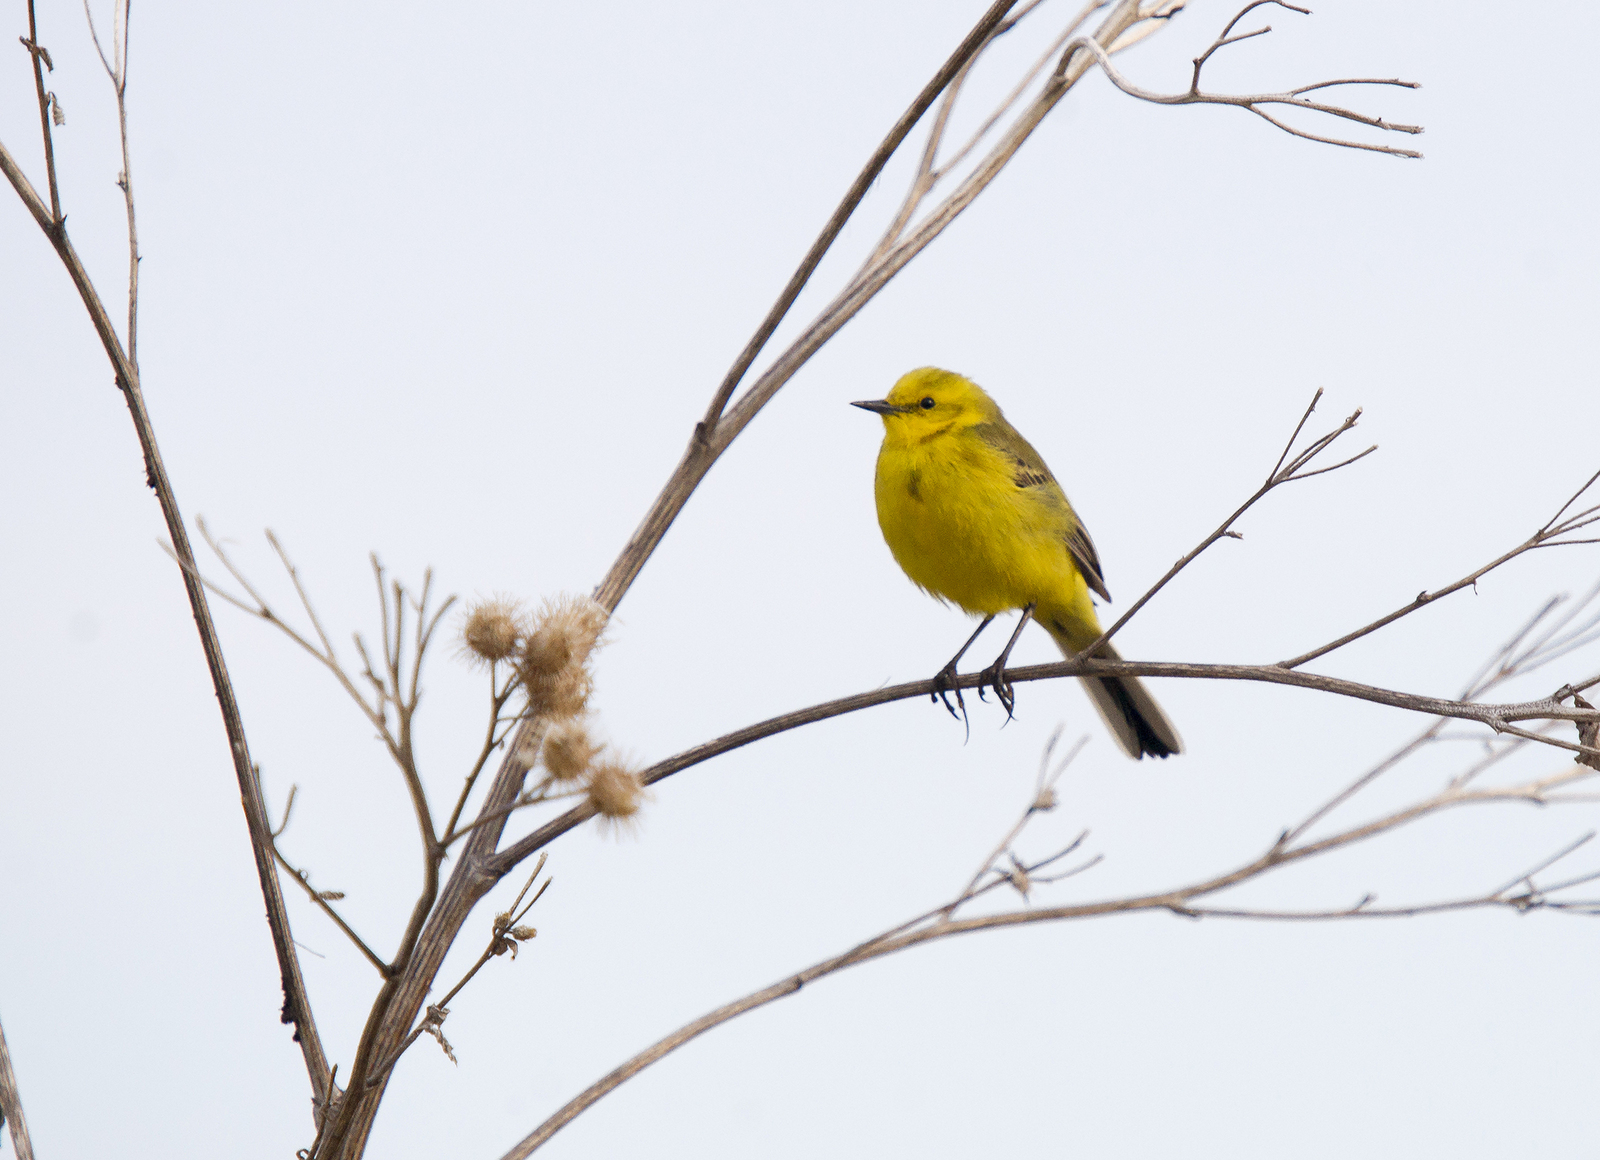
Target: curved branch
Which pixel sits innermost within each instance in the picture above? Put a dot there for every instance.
(1495, 716)
(296, 1003)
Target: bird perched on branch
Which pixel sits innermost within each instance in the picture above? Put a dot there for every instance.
(974, 517)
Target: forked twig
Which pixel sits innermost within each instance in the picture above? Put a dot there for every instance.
(1285, 470)
(1294, 98)
(322, 899)
(506, 933)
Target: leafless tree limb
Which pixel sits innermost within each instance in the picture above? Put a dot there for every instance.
(11, 1101)
(1496, 717)
(1521, 893)
(296, 1005)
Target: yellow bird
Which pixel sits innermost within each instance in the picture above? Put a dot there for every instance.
(974, 517)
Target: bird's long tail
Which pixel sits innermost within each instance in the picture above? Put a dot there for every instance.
(1128, 709)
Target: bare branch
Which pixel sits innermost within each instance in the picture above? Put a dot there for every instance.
(1496, 717)
(11, 1102)
(493, 737)
(264, 611)
(941, 922)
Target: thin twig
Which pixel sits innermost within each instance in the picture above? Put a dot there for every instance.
(492, 739)
(118, 72)
(1549, 531)
(1293, 97)
(319, 900)
(42, 57)
(503, 938)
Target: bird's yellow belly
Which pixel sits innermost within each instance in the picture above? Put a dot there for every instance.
(961, 529)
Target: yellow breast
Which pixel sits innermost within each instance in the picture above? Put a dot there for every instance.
(961, 528)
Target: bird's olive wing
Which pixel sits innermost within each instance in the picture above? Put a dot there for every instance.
(1087, 559)
(1030, 471)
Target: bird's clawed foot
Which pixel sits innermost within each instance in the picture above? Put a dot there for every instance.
(995, 677)
(945, 682)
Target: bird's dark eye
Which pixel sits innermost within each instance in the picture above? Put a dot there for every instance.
(927, 403)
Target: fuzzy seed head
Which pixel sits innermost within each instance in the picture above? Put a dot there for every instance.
(568, 750)
(554, 660)
(615, 791)
(493, 629)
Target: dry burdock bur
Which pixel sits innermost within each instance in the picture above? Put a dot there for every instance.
(554, 662)
(610, 783)
(551, 653)
(569, 751)
(493, 630)
(615, 791)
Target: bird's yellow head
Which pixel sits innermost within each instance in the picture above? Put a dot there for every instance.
(929, 402)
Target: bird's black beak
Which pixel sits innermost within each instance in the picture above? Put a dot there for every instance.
(880, 406)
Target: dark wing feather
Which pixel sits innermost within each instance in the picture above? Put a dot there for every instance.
(1030, 470)
(1087, 559)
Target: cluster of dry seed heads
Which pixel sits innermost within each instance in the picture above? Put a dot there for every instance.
(550, 653)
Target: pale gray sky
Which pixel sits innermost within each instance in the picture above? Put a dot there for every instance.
(453, 286)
